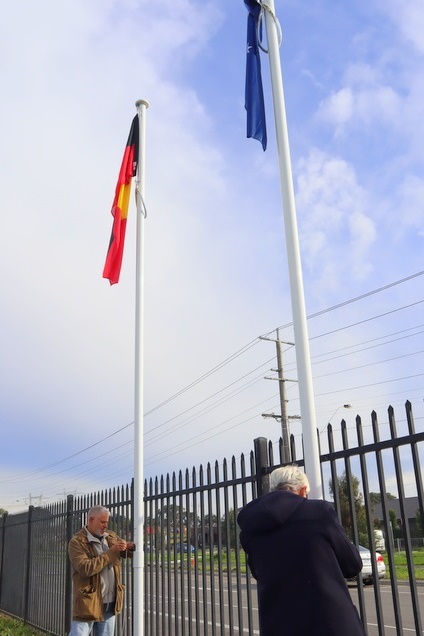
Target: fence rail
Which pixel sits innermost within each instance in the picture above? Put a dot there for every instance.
(196, 579)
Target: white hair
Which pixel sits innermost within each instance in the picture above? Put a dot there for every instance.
(95, 511)
(290, 478)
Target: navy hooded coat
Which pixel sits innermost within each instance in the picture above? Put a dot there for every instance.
(300, 556)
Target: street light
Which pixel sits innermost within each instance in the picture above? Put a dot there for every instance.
(342, 406)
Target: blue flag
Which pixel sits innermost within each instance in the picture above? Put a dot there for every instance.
(254, 95)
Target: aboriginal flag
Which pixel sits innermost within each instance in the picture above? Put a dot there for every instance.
(120, 204)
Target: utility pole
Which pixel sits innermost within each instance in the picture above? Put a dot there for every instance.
(285, 431)
(32, 498)
(285, 425)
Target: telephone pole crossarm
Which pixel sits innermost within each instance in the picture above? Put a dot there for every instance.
(284, 417)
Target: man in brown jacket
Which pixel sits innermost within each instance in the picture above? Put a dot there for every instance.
(98, 592)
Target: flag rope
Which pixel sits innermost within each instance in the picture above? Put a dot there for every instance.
(139, 197)
(266, 7)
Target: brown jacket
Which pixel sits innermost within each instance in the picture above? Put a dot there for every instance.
(86, 568)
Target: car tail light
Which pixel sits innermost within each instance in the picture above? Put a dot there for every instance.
(380, 559)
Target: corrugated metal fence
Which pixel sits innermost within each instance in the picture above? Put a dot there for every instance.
(196, 580)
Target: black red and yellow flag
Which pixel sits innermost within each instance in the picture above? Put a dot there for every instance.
(120, 204)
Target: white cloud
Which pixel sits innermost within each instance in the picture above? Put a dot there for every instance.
(333, 219)
(377, 87)
(409, 17)
(361, 104)
(411, 193)
(338, 109)
(362, 230)
(215, 261)
(406, 210)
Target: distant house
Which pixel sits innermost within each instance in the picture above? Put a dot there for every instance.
(411, 508)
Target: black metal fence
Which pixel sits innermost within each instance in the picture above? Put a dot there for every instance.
(35, 573)
(196, 579)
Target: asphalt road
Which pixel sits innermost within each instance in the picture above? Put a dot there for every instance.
(187, 605)
(389, 623)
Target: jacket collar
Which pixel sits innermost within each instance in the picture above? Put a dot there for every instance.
(91, 538)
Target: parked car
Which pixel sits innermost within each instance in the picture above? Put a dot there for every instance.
(379, 541)
(367, 575)
(185, 547)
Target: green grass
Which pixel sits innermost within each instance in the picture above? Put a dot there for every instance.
(12, 627)
(221, 562)
(402, 567)
(204, 561)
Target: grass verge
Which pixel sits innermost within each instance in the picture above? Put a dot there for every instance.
(11, 627)
(402, 567)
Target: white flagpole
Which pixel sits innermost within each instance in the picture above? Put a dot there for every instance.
(307, 407)
(138, 626)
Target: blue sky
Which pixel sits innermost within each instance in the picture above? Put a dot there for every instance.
(215, 261)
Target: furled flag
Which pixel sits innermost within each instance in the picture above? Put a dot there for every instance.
(120, 204)
(254, 95)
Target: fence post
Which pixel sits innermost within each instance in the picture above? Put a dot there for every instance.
(3, 539)
(415, 457)
(262, 463)
(28, 564)
(68, 572)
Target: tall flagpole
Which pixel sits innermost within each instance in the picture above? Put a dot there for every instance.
(307, 407)
(138, 610)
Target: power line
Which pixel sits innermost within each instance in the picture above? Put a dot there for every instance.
(255, 341)
(207, 398)
(361, 322)
(181, 425)
(61, 461)
(208, 409)
(366, 386)
(186, 447)
(354, 300)
(370, 364)
(230, 359)
(358, 344)
(219, 366)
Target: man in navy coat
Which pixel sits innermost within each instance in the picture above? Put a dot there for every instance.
(300, 556)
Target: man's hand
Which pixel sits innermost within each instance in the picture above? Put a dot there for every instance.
(119, 546)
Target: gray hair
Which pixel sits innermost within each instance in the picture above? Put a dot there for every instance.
(95, 511)
(290, 478)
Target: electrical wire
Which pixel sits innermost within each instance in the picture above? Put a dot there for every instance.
(236, 355)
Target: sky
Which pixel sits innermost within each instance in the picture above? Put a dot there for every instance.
(215, 260)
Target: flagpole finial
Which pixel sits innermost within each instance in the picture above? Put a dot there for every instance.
(142, 102)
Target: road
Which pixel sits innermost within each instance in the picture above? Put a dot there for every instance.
(216, 606)
(405, 603)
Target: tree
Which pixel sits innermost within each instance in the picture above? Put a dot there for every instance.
(229, 529)
(394, 522)
(346, 511)
(207, 530)
(2, 512)
(173, 524)
(375, 498)
(420, 523)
